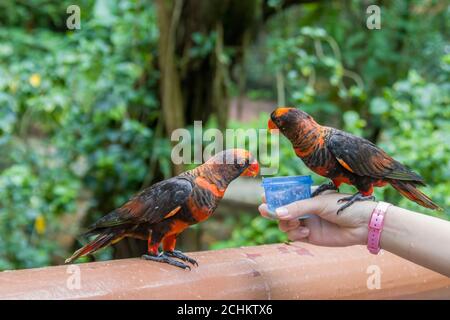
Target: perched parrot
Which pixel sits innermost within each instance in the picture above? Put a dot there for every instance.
(162, 211)
(345, 158)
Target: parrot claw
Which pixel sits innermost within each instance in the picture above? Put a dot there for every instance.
(324, 187)
(166, 259)
(180, 255)
(352, 199)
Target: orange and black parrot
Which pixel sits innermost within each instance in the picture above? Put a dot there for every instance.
(345, 158)
(162, 211)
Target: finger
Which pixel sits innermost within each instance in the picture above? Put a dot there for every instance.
(265, 212)
(288, 225)
(298, 234)
(263, 197)
(298, 209)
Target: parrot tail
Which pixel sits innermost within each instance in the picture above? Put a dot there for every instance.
(409, 190)
(102, 240)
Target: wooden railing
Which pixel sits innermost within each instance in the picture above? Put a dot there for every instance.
(278, 271)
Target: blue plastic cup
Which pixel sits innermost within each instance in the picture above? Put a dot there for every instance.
(281, 191)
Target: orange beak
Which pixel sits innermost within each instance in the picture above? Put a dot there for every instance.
(272, 127)
(252, 170)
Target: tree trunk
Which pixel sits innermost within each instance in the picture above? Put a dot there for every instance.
(195, 76)
(170, 88)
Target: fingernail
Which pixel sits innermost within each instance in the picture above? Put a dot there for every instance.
(264, 208)
(282, 212)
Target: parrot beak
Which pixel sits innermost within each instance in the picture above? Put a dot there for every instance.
(252, 170)
(272, 127)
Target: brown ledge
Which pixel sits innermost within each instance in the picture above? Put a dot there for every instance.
(279, 271)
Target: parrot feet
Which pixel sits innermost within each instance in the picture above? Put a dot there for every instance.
(324, 187)
(164, 258)
(180, 255)
(352, 199)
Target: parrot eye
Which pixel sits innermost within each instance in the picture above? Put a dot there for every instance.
(241, 164)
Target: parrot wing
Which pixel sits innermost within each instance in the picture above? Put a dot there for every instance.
(364, 158)
(151, 205)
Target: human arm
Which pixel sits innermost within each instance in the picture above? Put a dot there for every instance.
(422, 239)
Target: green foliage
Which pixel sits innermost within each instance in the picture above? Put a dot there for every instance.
(332, 63)
(39, 13)
(417, 131)
(77, 116)
(204, 45)
(307, 66)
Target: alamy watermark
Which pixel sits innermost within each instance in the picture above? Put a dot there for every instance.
(374, 19)
(374, 279)
(73, 21)
(73, 281)
(204, 144)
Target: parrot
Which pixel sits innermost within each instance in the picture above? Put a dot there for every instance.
(159, 213)
(345, 158)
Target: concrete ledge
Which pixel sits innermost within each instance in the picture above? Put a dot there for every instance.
(279, 271)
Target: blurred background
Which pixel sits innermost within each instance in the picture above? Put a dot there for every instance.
(85, 115)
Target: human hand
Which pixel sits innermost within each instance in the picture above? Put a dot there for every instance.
(324, 227)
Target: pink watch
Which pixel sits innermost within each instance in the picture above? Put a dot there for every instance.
(376, 227)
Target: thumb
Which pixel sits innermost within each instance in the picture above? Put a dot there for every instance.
(299, 208)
